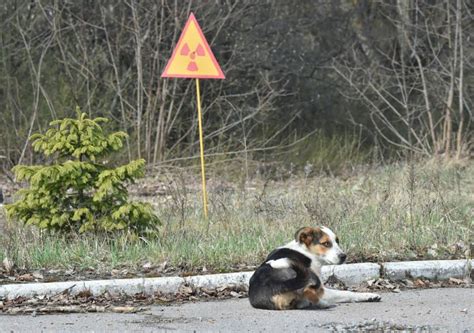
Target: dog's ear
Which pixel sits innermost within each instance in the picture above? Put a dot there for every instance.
(308, 235)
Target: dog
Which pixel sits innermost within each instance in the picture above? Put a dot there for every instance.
(290, 276)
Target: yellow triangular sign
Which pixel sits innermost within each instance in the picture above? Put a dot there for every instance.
(192, 57)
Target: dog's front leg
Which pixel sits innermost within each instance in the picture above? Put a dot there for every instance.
(343, 296)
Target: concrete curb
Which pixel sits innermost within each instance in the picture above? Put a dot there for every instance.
(350, 274)
(430, 269)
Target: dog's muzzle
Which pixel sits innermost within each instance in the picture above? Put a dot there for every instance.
(342, 258)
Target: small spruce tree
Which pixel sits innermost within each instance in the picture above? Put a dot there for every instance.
(78, 192)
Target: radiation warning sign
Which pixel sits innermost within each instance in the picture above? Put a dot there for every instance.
(192, 57)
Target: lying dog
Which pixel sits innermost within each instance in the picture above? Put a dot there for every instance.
(289, 277)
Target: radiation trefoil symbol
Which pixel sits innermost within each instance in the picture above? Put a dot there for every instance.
(185, 51)
(192, 57)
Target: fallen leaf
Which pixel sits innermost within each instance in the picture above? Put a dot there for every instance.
(210, 292)
(140, 296)
(419, 283)
(84, 293)
(456, 281)
(389, 286)
(185, 290)
(126, 309)
(222, 288)
(32, 301)
(25, 277)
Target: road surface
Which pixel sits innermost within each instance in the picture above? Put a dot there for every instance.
(449, 309)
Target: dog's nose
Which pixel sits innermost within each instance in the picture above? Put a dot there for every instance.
(342, 257)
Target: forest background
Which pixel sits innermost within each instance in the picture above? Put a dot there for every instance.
(386, 76)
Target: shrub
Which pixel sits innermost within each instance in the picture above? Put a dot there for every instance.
(80, 191)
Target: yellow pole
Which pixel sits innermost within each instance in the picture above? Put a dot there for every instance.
(201, 144)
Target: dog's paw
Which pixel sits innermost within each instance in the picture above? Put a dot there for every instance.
(368, 297)
(373, 297)
(324, 305)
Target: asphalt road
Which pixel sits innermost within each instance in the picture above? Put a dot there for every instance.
(450, 309)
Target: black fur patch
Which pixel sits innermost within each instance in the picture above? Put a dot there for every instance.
(290, 254)
(268, 281)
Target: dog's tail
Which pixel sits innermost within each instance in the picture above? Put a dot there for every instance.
(268, 282)
(304, 278)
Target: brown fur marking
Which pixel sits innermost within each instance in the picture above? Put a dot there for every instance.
(284, 301)
(307, 235)
(313, 294)
(318, 248)
(313, 238)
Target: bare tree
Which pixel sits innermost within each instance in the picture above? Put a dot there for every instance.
(108, 57)
(410, 74)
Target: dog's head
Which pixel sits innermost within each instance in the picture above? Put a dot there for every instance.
(323, 243)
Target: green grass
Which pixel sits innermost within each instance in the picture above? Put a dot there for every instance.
(394, 212)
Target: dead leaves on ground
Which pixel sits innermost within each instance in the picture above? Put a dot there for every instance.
(382, 284)
(84, 301)
(417, 283)
(190, 293)
(67, 303)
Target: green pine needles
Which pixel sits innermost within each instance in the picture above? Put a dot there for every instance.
(79, 192)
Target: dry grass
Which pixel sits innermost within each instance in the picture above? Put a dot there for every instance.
(400, 211)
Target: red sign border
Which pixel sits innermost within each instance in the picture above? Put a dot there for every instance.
(220, 74)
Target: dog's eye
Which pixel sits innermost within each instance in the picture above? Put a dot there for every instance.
(337, 240)
(326, 244)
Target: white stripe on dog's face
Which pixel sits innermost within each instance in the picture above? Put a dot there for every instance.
(279, 263)
(334, 254)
